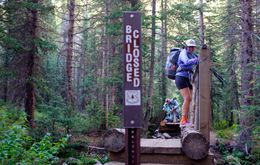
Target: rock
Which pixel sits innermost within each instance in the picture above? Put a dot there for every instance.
(166, 135)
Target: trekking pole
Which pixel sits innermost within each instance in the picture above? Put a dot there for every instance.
(215, 73)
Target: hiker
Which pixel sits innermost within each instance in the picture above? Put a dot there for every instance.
(187, 59)
(171, 107)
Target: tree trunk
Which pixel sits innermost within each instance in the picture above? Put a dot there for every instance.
(164, 49)
(256, 51)
(69, 90)
(79, 85)
(151, 69)
(5, 83)
(134, 3)
(247, 78)
(29, 104)
(106, 58)
(18, 20)
(232, 91)
(194, 144)
(114, 139)
(201, 24)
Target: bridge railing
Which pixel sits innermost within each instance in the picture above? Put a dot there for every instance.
(200, 109)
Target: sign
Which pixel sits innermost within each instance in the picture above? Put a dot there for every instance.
(132, 70)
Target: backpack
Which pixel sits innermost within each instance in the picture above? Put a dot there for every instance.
(172, 63)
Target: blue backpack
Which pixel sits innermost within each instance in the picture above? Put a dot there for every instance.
(171, 65)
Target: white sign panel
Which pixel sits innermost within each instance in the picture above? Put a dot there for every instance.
(132, 97)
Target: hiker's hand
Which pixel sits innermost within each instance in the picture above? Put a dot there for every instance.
(194, 60)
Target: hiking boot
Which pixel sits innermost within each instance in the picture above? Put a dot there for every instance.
(184, 119)
(184, 122)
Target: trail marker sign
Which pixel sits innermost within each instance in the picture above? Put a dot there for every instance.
(132, 70)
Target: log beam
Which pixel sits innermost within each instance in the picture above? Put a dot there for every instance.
(114, 139)
(194, 144)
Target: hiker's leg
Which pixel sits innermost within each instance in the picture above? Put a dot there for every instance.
(186, 94)
(185, 87)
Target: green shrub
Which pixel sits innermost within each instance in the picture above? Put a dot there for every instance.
(227, 133)
(52, 116)
(16, 146)
(93, 118)
(12, 143)
(221, 124)
(44, 152)
(13, 136)
(82, 160)
(236, 157)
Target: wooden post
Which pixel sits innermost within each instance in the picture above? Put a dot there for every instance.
(195, 99)
(204, 92)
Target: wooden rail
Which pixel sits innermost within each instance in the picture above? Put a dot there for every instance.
(195, 141)
(200, 110)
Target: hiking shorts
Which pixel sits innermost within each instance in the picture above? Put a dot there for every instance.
(182, 82)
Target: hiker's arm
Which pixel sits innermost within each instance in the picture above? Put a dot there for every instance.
(186, 61)
(176, 105)
(164, 108)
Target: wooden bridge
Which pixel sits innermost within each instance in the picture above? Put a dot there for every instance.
(161, 151)
(193, 145)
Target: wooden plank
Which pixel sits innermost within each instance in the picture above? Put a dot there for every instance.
(173, 159)
(165, 146)
(204, 92)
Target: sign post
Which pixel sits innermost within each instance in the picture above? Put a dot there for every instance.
(132, 85)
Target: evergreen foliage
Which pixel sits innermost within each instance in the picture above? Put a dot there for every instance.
(97, 78)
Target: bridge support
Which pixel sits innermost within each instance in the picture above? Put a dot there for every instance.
(204, 92)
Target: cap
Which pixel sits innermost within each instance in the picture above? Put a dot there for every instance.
(190, 42)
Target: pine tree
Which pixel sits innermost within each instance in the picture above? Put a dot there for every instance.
(247, 76)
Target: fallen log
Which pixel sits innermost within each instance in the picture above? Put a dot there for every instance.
(194, 144)
(114, 139)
